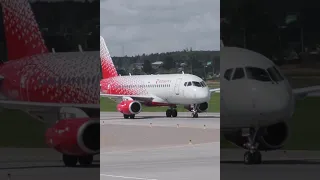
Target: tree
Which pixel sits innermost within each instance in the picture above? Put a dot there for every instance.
(168, 63)
(147, 68)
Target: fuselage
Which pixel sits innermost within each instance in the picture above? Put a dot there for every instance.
(164, 89)
(253, 90)
(71, 77)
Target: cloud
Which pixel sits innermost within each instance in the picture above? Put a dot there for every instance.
(145, 26)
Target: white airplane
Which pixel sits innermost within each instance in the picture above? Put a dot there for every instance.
(152, 90)
(257, 102)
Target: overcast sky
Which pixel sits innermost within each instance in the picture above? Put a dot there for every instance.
(150, 26)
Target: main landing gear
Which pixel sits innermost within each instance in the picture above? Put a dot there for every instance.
(71, 161)
(132, 116)
(172, 112)
(253, 155)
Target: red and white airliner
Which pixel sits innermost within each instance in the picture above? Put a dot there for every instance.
(43, 84)
(152, 90)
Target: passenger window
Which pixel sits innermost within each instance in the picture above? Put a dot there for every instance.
(238, 74)
(227, 74)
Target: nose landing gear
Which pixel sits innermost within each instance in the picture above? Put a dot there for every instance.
(253, 155)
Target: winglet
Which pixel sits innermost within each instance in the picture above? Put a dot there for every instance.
(108, 68)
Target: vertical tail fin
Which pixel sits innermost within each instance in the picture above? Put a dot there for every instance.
(108, 69)
(22, 33)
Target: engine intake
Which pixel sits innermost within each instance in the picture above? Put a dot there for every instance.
(272, 137)
(129, 107)
(80, 136)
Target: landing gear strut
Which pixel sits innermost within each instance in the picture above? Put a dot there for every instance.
(253, 155)
(172, 112)
(71, 161)
(194, 111)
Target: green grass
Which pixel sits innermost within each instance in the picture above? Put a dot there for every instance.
(110, 106)
(20, 130)
(304, 127)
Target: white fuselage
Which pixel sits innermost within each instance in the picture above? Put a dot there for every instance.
(167, 89)
(252, 97)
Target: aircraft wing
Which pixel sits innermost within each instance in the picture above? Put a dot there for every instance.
(216, 90)
(118, 98)
(25, 105)
(303, 92)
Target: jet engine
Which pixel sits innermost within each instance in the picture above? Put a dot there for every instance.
(269, 138)
(129, 107)
(78, 136)
(200, 107)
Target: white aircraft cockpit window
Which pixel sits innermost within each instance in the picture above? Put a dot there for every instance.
(185, 84)
(275, 74)
(203, 84)
(227, 74)
(197, 84)
(238, 74)
(189, 84)
(257, 74)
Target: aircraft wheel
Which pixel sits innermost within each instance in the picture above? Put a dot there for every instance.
(257, 157)
(86, 160)
(195, 115)
(69, 161)
(174, 113)
(126, 116)
(132, 116)
(252, 158)
(169, 113)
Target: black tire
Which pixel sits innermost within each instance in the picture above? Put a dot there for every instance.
(132, 116)
(126, 116)
(174, 113)
(248, 158)
(169, 113)
(195, 115)
(69, 161)
(257, 157)
(85, 160)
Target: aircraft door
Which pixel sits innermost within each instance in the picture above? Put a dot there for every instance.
(177, 86)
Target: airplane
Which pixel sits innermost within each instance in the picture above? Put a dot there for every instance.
(130, 92)
(61, 89)
(257, 102)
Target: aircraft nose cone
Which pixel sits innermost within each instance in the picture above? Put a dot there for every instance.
(274, 103)
(202, 96)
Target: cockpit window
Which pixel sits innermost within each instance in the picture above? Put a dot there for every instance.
(275, 74)
(197, 84)
(185, 84)
(203, 84)
(189, 84)
(238, 74)
(227, 74)
(257, 74)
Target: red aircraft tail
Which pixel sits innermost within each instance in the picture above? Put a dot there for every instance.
(22, 33)
(108, 68)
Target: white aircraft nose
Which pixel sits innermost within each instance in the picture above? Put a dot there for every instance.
(272, 103)
(202, 95)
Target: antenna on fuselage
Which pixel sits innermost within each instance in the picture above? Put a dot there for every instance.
(129, 74)
(80, 48)
(221, 43)
(53, 50)
(182, 72)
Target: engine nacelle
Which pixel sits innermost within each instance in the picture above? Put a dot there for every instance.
(200, 107)
(273, 137)
(79, 136)
(129, 107)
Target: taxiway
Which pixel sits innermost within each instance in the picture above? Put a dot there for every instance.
(277, 165)
(41, 163)
(153, 147)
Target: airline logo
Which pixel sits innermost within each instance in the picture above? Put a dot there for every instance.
(160, 81)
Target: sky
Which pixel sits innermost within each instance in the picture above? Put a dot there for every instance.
(132, 27)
